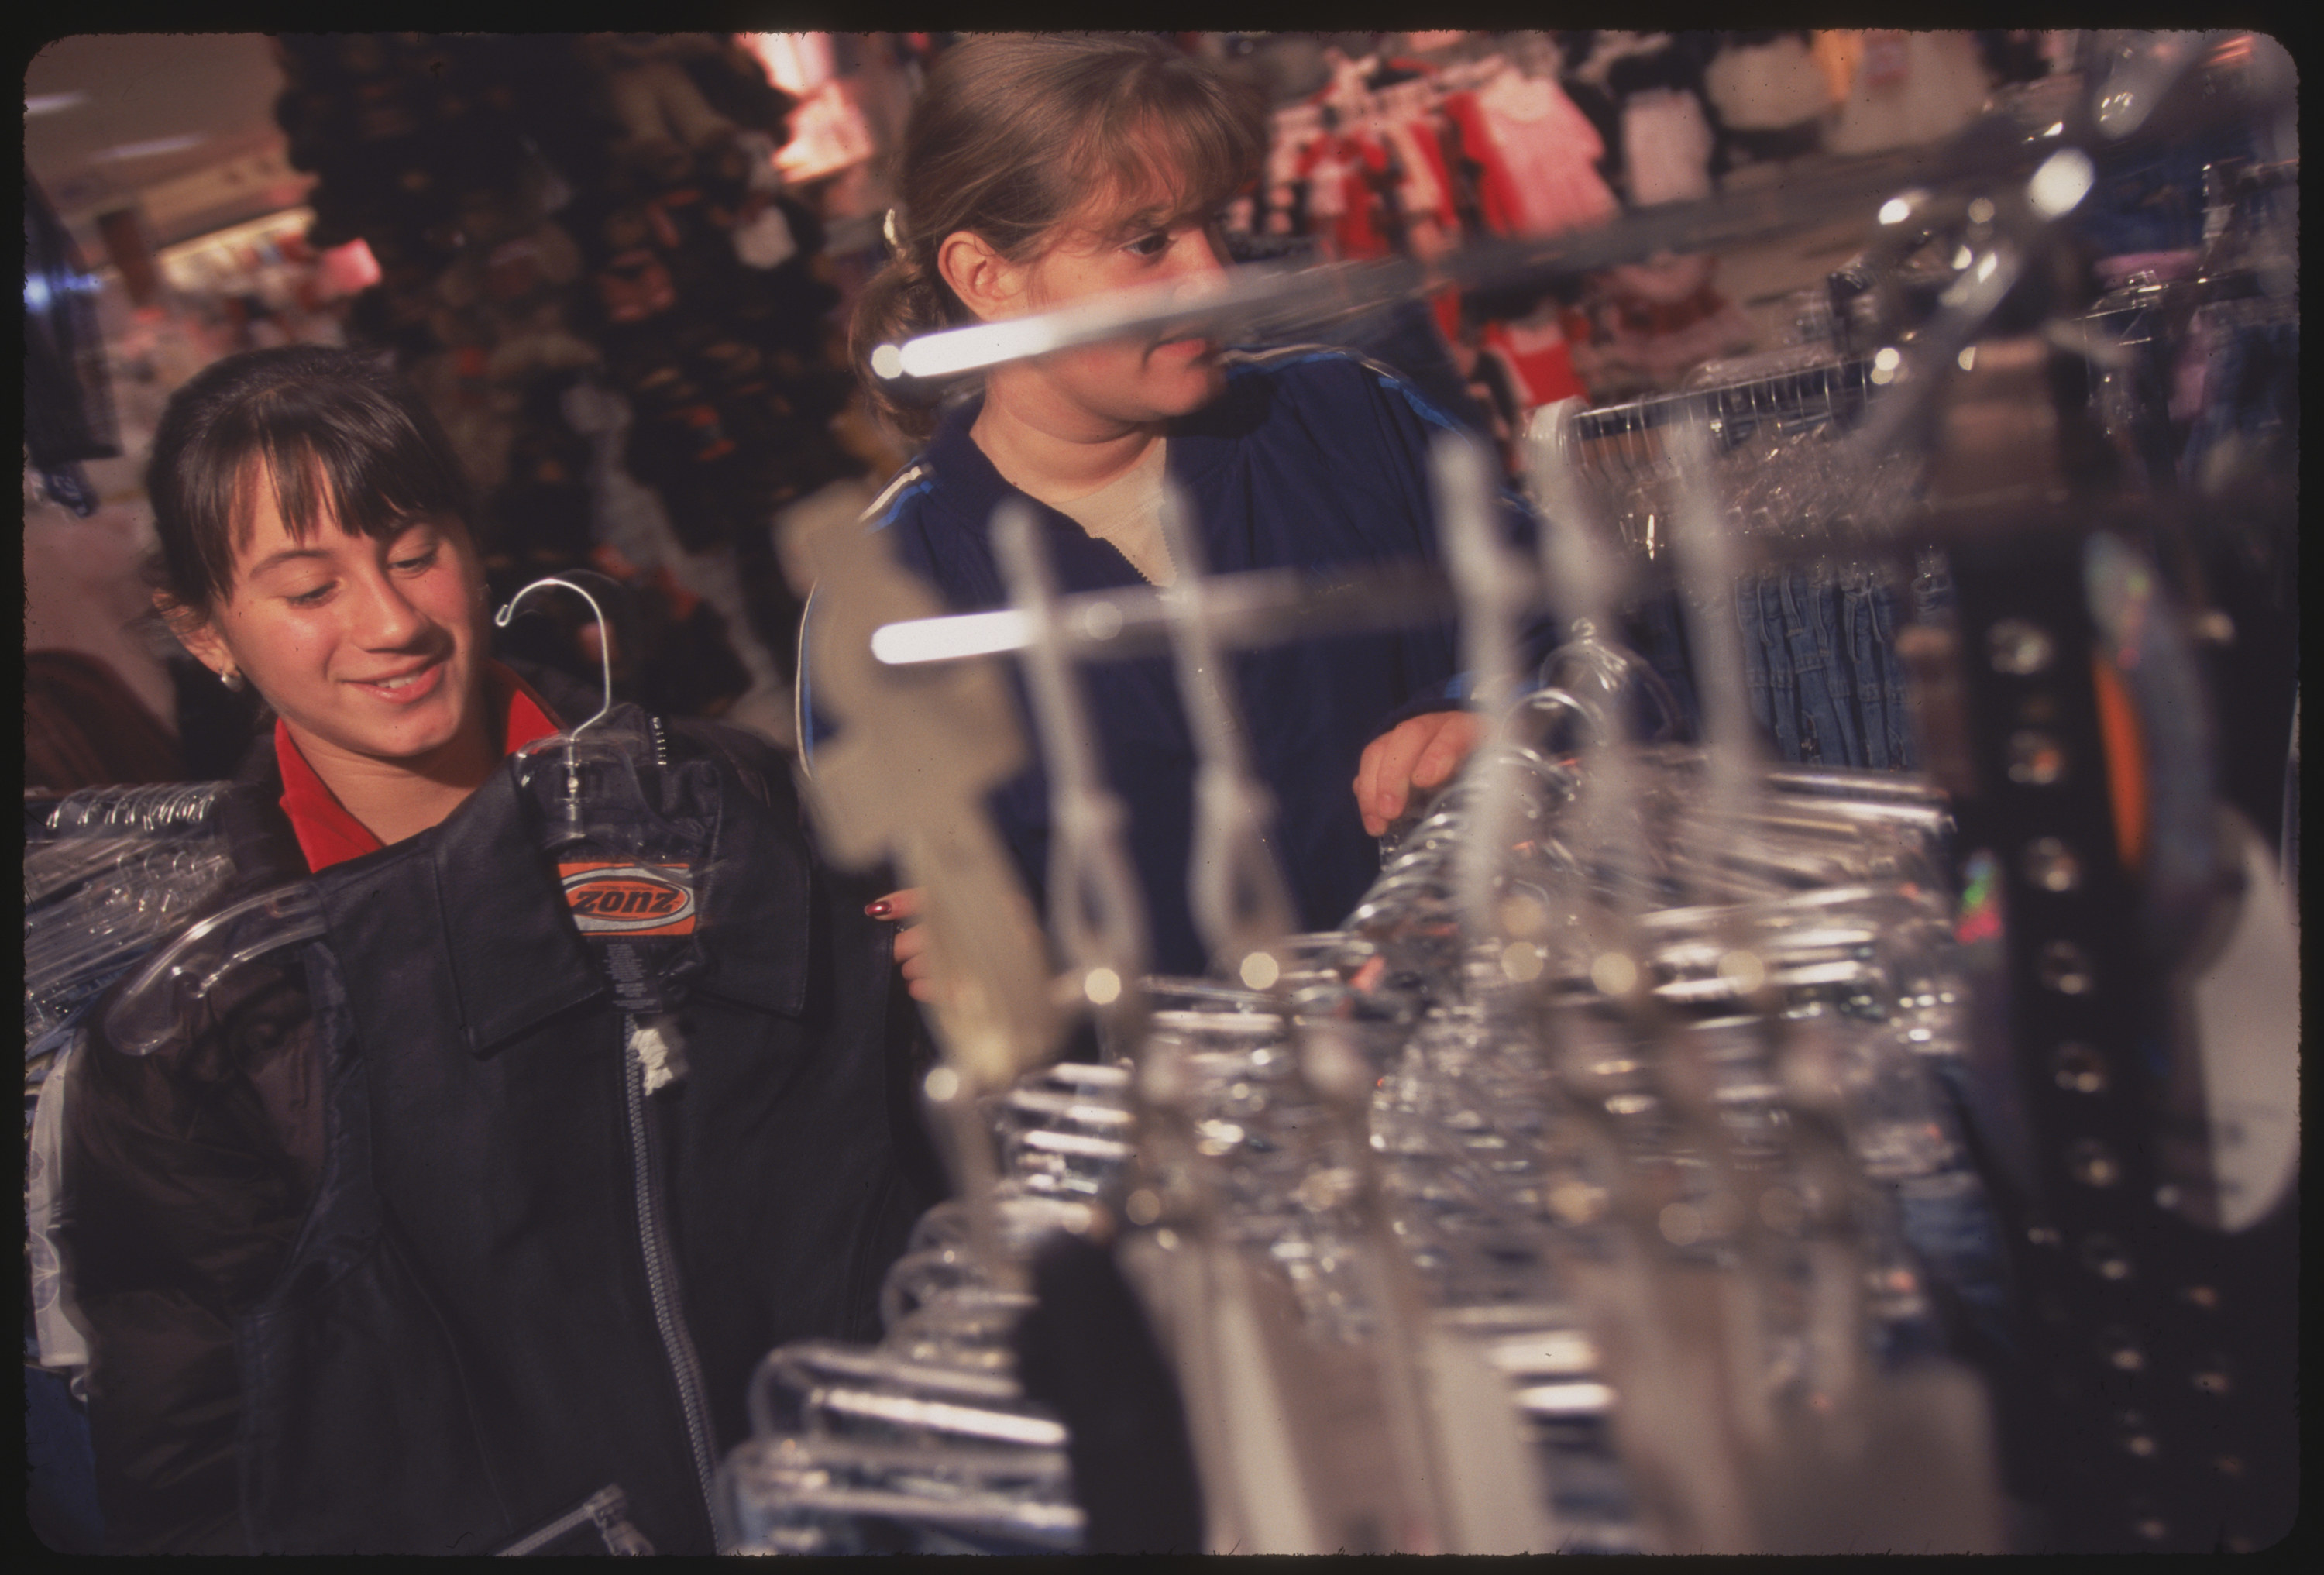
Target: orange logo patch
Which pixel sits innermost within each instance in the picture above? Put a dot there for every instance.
(614, 898)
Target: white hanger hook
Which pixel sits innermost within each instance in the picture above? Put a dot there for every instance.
(604, 635)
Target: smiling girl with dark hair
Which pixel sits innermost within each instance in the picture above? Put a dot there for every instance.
(438, 1232)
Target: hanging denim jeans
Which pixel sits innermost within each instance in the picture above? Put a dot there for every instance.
(1868, 617)
(2156, 204)
(1767, 664)
(1821, 670)
(1949, 1221)
(2250, 415)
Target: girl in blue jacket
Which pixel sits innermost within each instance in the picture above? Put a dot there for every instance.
(1038, 170)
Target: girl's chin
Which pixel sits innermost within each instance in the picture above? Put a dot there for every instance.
(410, 739)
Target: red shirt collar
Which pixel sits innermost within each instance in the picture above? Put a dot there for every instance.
(327, 835)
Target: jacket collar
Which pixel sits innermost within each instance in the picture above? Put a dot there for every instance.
(328, 833)
(516, 958)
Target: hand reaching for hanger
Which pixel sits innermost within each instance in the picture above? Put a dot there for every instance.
(1423, 753)
(902, 908)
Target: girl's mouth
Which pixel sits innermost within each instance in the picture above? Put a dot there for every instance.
(408, 688)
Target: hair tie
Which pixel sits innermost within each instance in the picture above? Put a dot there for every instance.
(888, 229)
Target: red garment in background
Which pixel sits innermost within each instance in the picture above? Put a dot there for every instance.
(1426, 189)
(1339, 170)
(1539, 364)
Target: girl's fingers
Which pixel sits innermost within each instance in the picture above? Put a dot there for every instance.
(1455, 738)
(897, 905)
(1387, 771)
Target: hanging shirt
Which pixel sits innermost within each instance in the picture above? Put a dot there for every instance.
(1427, 190)
(1767, 85)
(1361, 233)
(1666, 143)
(1910, 89)
(329, 835)
(1538, 154)
(1295, 129)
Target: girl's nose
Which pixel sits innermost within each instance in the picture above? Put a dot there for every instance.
(386, 619)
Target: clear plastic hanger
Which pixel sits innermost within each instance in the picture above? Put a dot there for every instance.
(568, 824)
(166, 808)
(164, 1002)
(108, 872)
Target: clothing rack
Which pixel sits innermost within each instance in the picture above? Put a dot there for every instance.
(1836, 391)
(2148, 1410)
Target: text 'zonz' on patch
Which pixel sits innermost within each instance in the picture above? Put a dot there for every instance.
(610, 898)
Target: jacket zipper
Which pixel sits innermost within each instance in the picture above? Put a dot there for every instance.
(609, 1506)
(661, 1280)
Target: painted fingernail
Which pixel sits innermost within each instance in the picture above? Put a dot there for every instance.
(879, 909)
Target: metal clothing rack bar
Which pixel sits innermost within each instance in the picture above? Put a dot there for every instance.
(1815, 391)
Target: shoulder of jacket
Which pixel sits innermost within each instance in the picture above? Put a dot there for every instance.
(1318, 362)
(258, 833)
(1334, 366)
(763, 766)
(1280, 360)
(914, 478)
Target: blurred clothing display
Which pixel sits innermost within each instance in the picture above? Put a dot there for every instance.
(1909, 88)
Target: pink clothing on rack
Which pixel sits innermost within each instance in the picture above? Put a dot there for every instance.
(1667, 145)
(1537, 154)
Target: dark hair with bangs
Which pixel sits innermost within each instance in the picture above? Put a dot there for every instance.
(1013, 134)
(338, 433)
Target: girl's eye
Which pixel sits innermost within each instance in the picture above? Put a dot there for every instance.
(1152, 245)
(313, 598)
(419, 561)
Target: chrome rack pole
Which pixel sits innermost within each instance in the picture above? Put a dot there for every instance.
(1095, 906)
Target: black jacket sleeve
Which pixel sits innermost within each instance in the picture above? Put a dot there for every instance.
(189, 1175)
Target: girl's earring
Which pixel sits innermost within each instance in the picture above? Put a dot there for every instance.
(233, 680)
